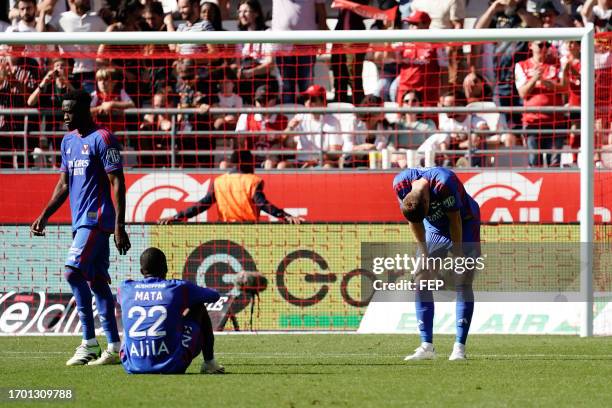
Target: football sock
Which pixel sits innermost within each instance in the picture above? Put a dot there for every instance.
(425, 314)
(106, 310)
(90, 342)
(114, 347)
(465, 310)
(208, 337)
(82, 295)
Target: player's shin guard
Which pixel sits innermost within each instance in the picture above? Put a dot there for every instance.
(106, 310)
(208, 337)
(425, 314)
(82, 295)
(465, 310)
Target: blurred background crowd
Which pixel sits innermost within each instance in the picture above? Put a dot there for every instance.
(204, 77)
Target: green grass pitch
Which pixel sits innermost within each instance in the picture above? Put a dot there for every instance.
(340, 370)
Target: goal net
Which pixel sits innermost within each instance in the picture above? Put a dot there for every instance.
(330, 119)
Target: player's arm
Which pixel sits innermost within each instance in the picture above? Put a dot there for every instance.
(456, 231)
(198, 295)
(418, 230)
(60, 193)
(203, 205)
(117, 181)
(260, 200)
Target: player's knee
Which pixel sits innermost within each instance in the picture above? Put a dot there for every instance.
(72, 275)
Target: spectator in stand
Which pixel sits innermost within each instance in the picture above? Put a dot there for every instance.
(49, 94)
(598, 12)
(8, 93)
(161, 122)
(419, 70)
(155, 71)
(256, 66)
(499, 58)
(227, 98)
(40, 159)
(538, 84)
(212, 13)
(26, 21)
(570, 80)
(110, 100)
(190, 11)
(266, 96)
(420, 127)
(446, 14)
(296, 70)
(78, 19)
(386, 61)
(366, 134)
(129, 18)
(192, 93)
(476, 89)
(460, 126)
(346, 63)
(321, 132)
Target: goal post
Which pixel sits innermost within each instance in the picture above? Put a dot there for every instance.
(585, 36)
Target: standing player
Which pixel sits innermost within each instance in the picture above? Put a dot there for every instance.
(91, 168)
(443, 218)
(165, 322)
(239, 196)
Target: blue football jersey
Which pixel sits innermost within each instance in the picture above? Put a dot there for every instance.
(86, 160)
(446, 194)
(152, 315)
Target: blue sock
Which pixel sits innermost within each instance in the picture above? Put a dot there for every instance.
(105, 303)
(465, 310)
(425, 314)
(82, 295)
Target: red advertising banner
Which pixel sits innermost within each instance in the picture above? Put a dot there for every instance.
(504, 196)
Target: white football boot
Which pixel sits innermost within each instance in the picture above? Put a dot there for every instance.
(458, 352)
(107, 358)
(212, 367)
(84, 354)
(424, 352)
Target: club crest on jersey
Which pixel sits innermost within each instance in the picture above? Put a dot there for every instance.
(85, 149)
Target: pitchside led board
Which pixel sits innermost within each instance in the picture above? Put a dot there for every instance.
(316, 271)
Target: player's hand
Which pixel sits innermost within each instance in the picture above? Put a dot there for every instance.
(38, 226)
(166, 221)
(294, 220)
(122, 241)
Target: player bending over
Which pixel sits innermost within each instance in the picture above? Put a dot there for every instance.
(443, 219)
(91, 168)
(165, 321)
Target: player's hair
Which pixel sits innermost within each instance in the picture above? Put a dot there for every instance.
(244, 161)
(153, 262)
(413, 206)
(80, 96)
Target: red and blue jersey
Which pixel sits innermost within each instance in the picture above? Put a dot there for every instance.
(155, 340)
(87, 160)
(446, 194)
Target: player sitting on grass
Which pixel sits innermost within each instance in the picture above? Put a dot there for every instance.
(165, 321)
(91, 168)
(443, 217)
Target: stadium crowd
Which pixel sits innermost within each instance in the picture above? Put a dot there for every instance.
(205, 76)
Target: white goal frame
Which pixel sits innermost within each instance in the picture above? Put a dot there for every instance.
(584, 35)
